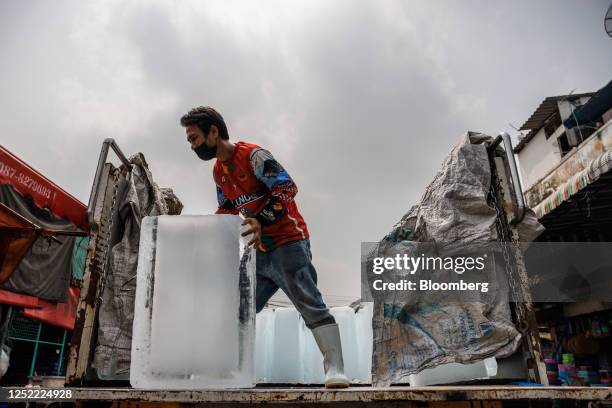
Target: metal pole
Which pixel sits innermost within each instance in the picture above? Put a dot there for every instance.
(93, 196)
(6, 325)
(516, 181)
(519, 204)
(61, 357)
(35, 350)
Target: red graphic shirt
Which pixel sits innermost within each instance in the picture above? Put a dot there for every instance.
(253, 183)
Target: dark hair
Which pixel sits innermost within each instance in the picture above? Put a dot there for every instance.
(204, 117)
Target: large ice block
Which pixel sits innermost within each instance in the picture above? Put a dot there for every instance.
(455, 372)
(264, 344)
(194, 318)
(289, 368)
(288, 354)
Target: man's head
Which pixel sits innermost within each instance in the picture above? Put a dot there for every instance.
(204, 127)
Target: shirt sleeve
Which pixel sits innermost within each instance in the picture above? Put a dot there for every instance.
(279, 183)
(225, 205)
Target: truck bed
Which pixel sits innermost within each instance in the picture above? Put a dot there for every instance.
(354, 396)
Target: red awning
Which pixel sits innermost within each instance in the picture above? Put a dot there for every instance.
(17, 234)
(17, 299)
(45, 193)
(57, 314)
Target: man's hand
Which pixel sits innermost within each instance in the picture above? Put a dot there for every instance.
(255, 229)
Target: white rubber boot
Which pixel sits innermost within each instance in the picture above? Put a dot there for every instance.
(328, 340)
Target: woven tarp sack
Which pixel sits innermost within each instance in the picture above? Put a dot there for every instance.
(413, 332)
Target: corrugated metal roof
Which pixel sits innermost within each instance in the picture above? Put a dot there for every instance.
(539, 116)
(546, 108)
(524, 141)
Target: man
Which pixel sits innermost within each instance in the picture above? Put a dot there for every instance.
(251, 182)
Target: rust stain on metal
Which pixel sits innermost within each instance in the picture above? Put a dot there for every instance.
(81, 347)
(85, 309)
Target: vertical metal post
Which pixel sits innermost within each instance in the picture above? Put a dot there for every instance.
(520, 207)
(61, 357)
(93, 196)
(35, 350)
(7, 324)
(9, 316)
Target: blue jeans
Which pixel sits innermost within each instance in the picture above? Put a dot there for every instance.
(289, 267)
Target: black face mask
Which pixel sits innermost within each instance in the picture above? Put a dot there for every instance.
(206, 153)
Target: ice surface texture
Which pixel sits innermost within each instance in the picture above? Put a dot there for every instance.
(194, 318)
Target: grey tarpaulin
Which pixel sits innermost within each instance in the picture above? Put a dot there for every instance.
(142, 198)
(45, 271)
(412, 333)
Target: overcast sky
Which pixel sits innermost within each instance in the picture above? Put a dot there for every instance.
(359, 100)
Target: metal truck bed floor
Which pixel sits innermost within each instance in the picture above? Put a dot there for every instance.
(352, 395)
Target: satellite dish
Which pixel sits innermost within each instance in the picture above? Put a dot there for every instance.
(608, 21)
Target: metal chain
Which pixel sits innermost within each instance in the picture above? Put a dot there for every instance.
(505, 240)
(107, 238)
(587, 197)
